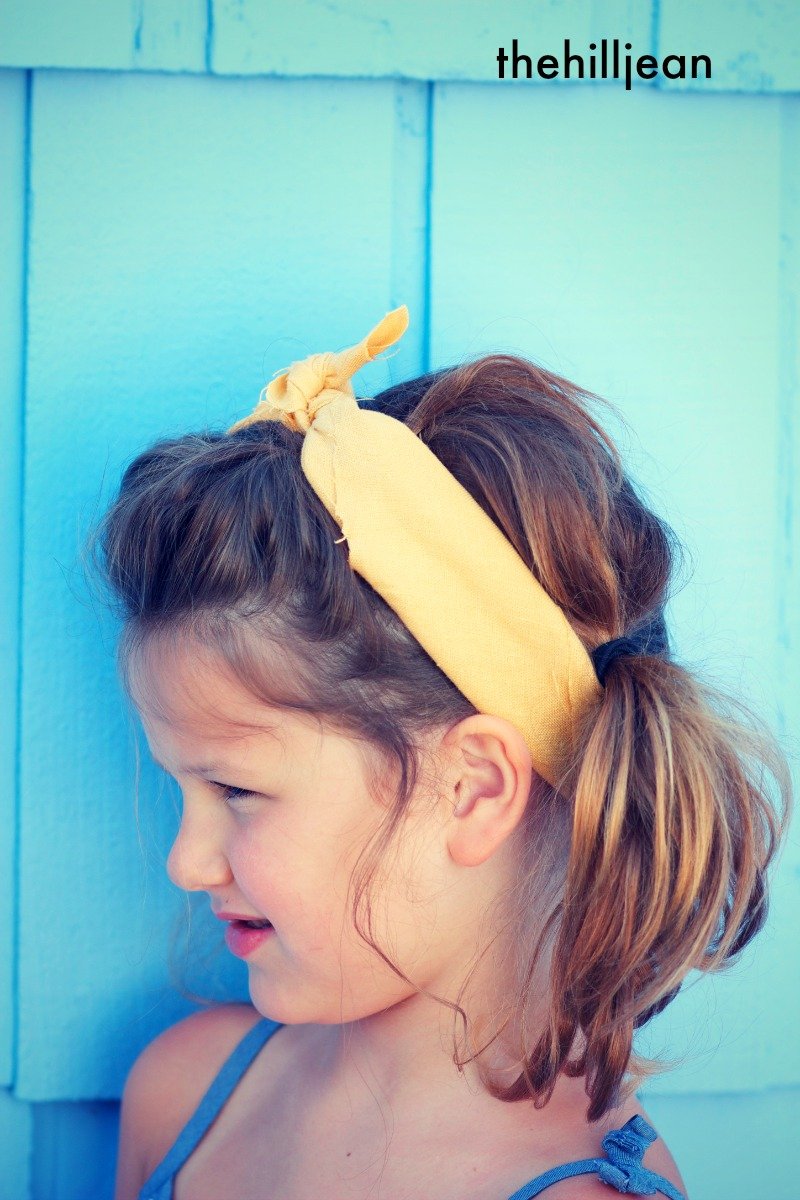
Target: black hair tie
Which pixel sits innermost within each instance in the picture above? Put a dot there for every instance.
(648, 639)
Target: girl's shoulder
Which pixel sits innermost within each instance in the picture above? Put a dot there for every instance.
(621, 1152)
(657, 1156)
(173, 1072)
(168, 1080)
(632, 1171)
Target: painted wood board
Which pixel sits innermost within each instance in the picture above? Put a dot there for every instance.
(74, 1151)
(13, 110)
(414, 39)
(752, 47)
(16, 1147)
(147, 35)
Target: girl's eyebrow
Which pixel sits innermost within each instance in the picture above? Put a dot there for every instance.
(200, 769)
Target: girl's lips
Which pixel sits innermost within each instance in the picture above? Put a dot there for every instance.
(243, 939)
(230, 916)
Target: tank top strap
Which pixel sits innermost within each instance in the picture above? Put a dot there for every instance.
(622, 1168)
(159, 1185)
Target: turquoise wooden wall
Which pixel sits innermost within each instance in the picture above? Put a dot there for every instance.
(192, 195)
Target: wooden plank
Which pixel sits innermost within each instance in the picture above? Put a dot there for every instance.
(409, 236)
(74, 1151)
(736, 1147)
(789, 415)
(13, 125)
(753, 47)
(658, 288)
(163, 295)
(414, 39)
(147, 35)
(784, 977)
(16, 1147)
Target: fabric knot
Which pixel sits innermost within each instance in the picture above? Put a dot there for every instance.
(624, 1149)
(629, 1142)
(636, 1181)
(297, 393)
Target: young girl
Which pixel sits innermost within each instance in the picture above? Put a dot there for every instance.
(468, 823)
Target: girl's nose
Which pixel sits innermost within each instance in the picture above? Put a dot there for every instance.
(197, 862)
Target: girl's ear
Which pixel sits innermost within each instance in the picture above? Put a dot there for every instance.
(489, 783)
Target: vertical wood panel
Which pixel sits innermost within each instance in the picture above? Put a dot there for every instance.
(182, 250)
(789, 454)
(635, 249)
(74, 1151)
(16, 1147)
(409, 199)
(784, 978)
(13, 123)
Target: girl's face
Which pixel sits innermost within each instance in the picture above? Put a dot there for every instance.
(273, 821)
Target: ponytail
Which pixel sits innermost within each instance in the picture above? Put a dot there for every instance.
(672, 837)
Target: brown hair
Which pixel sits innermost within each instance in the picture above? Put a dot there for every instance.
(670, 814)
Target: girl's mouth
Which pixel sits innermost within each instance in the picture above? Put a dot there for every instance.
(243, 937)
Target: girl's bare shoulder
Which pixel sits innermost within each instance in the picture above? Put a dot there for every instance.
(568, 1143)
(657, 1158)
(167, 1082)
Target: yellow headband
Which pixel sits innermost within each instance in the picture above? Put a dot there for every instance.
(428, 548)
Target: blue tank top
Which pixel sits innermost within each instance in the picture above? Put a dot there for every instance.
(621, 1167)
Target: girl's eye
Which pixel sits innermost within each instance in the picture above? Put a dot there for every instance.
(231, 794)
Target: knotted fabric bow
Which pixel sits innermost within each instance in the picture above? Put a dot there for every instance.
(437, 559)
(296, 395)
(624, 1169)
